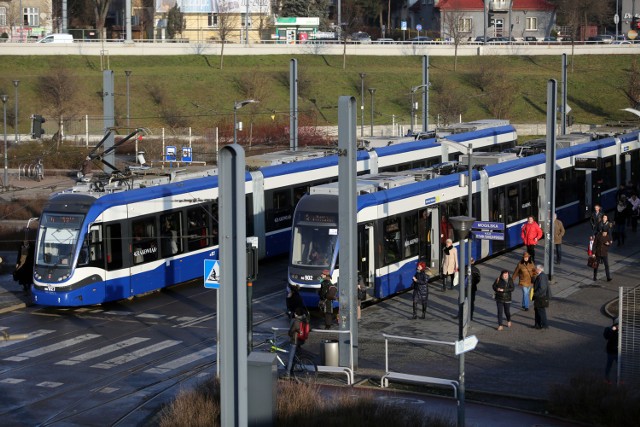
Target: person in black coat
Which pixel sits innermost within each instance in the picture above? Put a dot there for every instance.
(294, 300)
(541, 297)
(611, 335)
(502, 288)
(420, 290)
(23, 273)
(475, 280)
(601, 249)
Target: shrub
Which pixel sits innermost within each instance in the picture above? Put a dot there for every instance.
(301, 405)
(589, 399)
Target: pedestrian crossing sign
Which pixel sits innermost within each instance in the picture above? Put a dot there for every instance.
(211, 274)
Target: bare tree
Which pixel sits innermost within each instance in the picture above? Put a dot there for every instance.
(451, 102)
(633, 88)
(351, 20)
(456, 28)
(580, 13)
(226, 23)
(101, 8)
(57, 90)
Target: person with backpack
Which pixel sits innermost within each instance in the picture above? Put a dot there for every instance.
(298, 334)
(420, 290)
(328, 294)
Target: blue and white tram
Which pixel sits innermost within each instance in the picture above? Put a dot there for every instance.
(398, 219)
(100, 243)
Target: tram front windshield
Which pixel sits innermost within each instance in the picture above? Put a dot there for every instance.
(313, 244)
(57, 240)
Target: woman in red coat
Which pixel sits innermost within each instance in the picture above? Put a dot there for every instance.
(531, 233)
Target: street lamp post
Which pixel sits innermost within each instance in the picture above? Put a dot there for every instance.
(236, 106)
(413, 105)
(128, 73)
(362, 76)
(15, 122)
(6, 161)
(372, 91)
(462, 225)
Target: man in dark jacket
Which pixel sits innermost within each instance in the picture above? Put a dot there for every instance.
(611, 335)
(601, 250)
(326, 304)
(541, 297)
(475, 280)
(595, 219)
(420, 290)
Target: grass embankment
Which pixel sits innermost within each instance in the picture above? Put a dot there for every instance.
(191, 91)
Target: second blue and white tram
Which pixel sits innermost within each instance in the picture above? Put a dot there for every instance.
(398, 219)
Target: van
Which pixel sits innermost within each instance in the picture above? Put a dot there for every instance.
(57, 38)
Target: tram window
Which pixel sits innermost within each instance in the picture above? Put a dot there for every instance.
(568, 188)
(113, 249)
(197, 228)
(526, 209)
(215, 225)
(411, 236)
(91, 251)
(279, 215)
(145, 240)
(513, 201)
(249, 222)
(608, 173)
(298, 192)
(391, 240)
(171, 235)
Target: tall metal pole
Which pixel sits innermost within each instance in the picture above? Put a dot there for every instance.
(550, 175)
(293, 105)
(413, 90)
(128, 73)
(6, 161)
(425, 94)
(16, 139)
(235, 122)
(372, 91)
(563, 88)
(470, 214)
(362, 76)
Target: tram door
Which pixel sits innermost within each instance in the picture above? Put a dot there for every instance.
(366, 254)
(428, 237)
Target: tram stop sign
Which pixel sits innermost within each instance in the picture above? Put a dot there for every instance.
(467, 344)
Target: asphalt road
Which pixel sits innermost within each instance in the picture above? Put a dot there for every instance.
(117, 364)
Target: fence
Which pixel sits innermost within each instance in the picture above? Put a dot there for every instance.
(629, 336)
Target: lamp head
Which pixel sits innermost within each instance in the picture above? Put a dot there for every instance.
(4, 98)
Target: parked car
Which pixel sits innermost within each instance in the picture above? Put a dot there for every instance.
(530, 39)
(57, 38)
(498, 40)
(421, 39)
(601, 38)
(359, 37)
(385, 40)
(550, 39)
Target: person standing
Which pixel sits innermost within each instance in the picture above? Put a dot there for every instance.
(558, 234)
(541, 297)
(23, 273)
(531, 233)
(294, 300)
(502, 288)
(525, 272)
(295, 327)
(327, 296)
(420, 290)
(635, 211)
(621, 216)
(611, 335)
(596, 217)
(601, 250)
(475, 280)
(449, 264)
(445, 230)
(605, 225)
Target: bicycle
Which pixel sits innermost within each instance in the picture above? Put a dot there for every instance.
(304, 368)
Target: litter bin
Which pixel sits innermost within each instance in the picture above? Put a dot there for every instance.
(329, 353)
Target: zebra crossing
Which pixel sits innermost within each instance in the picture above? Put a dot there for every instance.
(130, 350)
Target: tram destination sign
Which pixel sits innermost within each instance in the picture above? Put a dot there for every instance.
(487, 225)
